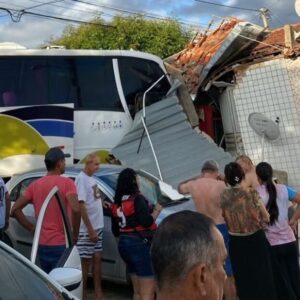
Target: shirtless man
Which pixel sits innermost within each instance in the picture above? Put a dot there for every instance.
(206, 192)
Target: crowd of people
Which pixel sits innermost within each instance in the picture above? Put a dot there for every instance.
(239, 244)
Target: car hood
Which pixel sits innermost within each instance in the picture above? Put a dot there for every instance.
(168, 210)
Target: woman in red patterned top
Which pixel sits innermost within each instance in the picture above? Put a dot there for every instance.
(245, 216)
(135, 221)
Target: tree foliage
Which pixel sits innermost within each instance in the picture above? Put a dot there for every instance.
(159, 37)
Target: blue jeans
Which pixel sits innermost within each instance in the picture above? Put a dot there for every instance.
(135, 251)
(224, 230)
(49, 256)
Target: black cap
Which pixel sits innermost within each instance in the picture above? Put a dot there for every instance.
(55, 154)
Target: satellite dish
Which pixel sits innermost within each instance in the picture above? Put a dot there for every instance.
(297, 7)
(266, 128)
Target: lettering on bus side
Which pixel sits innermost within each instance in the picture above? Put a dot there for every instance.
(106, 125)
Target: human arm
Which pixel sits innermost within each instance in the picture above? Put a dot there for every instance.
(75, 214)
(86, 220)
(17, 213)
(114, 222)
(264, 213)
(260, 206)
(293, 195)
(156, 211)
(142, 212)
(184, 187)
(294, 219)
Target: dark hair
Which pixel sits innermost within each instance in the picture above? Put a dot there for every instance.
(126, 185)
(50, 164)
(234, 173)
(182, 240)
(264, 172)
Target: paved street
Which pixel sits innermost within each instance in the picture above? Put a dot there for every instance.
(112, 291)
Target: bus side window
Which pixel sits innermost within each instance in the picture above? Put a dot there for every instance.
(98, 89)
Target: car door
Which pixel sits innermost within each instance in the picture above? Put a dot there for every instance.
(113, 267)
(71, 256)
(16, 235)
(19, 279)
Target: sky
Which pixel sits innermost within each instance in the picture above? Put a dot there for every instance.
(32, 31)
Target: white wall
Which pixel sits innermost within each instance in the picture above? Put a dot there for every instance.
(272, 88)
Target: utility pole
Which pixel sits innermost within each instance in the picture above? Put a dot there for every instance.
(265, 16)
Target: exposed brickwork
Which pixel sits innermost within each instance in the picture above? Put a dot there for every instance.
(199, 52)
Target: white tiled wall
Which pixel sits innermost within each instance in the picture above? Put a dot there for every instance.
(272, 88)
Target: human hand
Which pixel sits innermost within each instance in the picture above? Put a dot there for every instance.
(93, 236)
(75, 239)
(32, 230)
(158, 207)
(221, 177)
(293, 224)
(106, 204)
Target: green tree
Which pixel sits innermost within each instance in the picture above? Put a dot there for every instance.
(160, 37)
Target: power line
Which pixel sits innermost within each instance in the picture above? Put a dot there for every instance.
(278, 20)
(229, 6)
(64, 19)
(89, 11)
(132, 12)
(16, 16)
(260, 42)
(42, 4)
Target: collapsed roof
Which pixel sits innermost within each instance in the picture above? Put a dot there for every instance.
(209, 56)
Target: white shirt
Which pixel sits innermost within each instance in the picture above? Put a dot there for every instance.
(89, 192)
(3, 191)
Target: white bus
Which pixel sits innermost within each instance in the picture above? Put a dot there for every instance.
(81, 100)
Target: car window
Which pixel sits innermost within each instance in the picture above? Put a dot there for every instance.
(147, 187)
(110, 180)
(14, 279)
(17, 191)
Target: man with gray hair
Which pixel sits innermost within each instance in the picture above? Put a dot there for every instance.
(206, 192)
(188, 254)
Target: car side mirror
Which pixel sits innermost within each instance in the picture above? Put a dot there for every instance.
(69, 278)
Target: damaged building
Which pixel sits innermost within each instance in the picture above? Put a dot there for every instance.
(241, 70)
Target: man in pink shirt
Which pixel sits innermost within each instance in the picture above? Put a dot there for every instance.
(52, 239)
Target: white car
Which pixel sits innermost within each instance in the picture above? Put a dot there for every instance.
(21, 279)
(113, 267)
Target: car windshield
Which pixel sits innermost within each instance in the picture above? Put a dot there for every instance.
(14, 279)
(147, 187)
